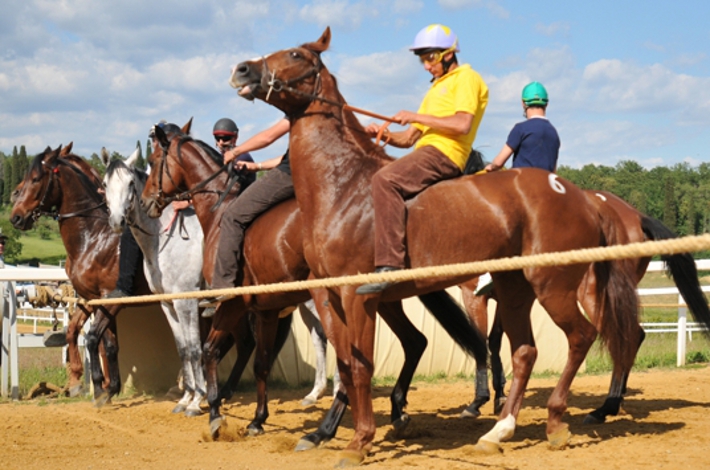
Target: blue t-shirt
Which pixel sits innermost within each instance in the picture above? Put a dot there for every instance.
(535, 144)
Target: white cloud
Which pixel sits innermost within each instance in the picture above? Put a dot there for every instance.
(337, 13)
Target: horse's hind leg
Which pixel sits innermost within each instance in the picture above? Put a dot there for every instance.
(103, 329)
(559, 298)
(76, 366)
(242, 337)
(516, 299)
(495, 339)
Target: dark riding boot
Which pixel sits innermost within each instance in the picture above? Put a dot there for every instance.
(376, 287)
(130, 260)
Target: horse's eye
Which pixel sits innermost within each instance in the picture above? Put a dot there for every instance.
(295, 55)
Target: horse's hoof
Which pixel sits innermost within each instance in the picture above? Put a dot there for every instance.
(350, 458)
(76, 390)
(488, 447)
(191, 413)
(401, 424)
(304, 444)
(254, 430)
(559, 439)
(179, 408)
(309, 401)
(470, 413)
(102, 399)
(215, 426)
(591, 418)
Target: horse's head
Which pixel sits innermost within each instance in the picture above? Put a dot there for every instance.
(39, 191)
(121, 183)
(287, 79)
(166, 176)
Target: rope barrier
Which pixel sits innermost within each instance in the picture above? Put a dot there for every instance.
(564, 258)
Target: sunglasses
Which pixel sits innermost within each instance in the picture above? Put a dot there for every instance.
(224, 138)
(435, 57)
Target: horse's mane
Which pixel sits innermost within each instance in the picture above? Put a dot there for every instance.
(208, 149)
(116, 164)
(88, 170)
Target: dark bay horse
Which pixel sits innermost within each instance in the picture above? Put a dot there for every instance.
(66, 186)
(273, 252)
(517, 212)
(638, 228)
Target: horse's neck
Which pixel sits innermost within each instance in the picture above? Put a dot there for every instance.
(332, 165)
(204, 201)
(87, 227)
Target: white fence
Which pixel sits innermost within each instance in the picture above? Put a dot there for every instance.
(12, 341)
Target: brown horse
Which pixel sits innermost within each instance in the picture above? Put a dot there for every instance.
(510, 213)
(638, 228)
(273, 252)
(66, 186)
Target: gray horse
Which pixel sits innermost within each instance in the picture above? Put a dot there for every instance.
(172, 260)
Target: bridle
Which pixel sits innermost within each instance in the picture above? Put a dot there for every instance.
(233, 178)
(37, 212)
(276, 85)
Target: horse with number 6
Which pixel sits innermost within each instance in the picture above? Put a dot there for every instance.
(512, 213)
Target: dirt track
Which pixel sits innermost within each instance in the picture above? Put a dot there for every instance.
(666, 425)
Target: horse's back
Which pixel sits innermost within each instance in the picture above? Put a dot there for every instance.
(532, 210)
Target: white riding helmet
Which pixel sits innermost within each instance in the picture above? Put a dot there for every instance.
(436, 36)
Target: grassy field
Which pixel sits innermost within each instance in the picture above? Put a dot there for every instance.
(48, 251)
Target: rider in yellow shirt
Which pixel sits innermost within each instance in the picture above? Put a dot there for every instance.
(442, 132)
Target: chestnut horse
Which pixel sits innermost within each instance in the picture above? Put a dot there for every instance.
(517, 212)
(66, 186)
(273, 252)
(639, 228)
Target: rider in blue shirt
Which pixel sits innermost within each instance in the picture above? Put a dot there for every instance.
(534, 143)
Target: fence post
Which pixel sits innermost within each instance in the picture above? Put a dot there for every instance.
(682, 320)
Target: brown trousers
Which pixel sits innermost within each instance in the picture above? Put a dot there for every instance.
(275, 186)
(391, 186)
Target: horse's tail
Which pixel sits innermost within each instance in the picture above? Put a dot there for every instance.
(457, 324)
(682, 268)
(617, 299)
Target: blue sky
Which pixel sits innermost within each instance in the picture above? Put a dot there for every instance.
(628, 80)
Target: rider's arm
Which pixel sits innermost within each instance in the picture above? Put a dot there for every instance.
(260, 140)
(403, 139)
(500, 159)
(265, 165)
(456, 124)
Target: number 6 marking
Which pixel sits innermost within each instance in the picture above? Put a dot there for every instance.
(556, 186)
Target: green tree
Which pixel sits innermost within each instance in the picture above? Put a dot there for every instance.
(140, 162)
(669, 206)
(13, 247)
(7, 179)
(96, 162)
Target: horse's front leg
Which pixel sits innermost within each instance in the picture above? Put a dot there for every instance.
(76, 365)
(414, 343)
(214, 349)
(320, 344)
(357, 368)
(267, 323)
(102, 320)
(176, 321)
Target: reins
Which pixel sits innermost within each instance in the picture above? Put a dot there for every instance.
(277, 85)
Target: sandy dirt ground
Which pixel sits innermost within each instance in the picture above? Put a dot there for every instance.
(666, 424)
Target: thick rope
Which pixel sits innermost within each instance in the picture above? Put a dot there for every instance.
(588, 255)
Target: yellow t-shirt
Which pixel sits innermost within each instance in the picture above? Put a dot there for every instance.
(463, 90)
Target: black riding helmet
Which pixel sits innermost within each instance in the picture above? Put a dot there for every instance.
(167, 127)
(225, 126)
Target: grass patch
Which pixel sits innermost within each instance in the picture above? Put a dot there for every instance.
(36, 249)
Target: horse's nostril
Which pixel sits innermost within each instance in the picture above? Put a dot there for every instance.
(243, 69)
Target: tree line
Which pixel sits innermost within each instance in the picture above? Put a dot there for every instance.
(677, 195)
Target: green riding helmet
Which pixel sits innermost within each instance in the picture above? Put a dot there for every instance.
(534, 94)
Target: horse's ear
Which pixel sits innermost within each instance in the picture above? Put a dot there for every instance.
(322, 43)
(67, 150)
(186, 128)
(105, 157)
(161, 137)
(131, 161)
(51, 155)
